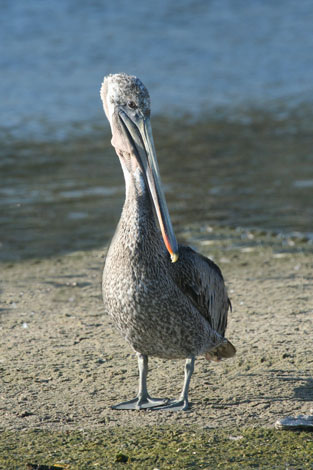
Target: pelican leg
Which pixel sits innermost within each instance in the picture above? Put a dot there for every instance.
(182, 403)
(143, 399)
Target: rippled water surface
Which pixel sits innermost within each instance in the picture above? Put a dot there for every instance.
(231, 88)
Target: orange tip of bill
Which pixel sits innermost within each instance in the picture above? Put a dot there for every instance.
(174, 257)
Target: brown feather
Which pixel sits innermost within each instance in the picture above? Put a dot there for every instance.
(202, 282)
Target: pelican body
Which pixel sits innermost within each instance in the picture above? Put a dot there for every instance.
(165, 299)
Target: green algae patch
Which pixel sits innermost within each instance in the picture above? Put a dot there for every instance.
(157, 448)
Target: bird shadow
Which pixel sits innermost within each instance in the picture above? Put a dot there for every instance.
(305, 391)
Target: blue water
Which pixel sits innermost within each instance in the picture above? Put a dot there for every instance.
(192, 55)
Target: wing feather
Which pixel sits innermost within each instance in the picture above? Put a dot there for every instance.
(201, 280)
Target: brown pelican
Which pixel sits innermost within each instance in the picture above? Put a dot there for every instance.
(166, 300)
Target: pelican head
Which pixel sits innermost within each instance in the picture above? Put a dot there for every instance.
(126, 103)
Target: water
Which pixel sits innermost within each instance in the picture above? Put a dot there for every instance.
(231, 88)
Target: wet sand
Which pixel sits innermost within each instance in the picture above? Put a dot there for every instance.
(63, 365)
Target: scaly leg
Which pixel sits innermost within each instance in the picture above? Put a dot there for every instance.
(182, 403)
(143, 400)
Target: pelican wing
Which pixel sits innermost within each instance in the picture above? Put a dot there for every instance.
(202, 282)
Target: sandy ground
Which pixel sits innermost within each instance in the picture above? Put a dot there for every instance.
(62, 364)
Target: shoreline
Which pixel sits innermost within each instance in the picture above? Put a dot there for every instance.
(63, 365)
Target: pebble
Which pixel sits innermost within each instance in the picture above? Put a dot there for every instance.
(304, 422)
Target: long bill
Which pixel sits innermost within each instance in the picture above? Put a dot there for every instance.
(140, 132)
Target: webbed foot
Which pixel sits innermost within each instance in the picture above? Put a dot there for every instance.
(141, 404)
(175, 405)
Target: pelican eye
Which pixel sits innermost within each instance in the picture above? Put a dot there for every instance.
(132, 105)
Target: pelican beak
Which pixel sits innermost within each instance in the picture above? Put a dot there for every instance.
(139, 130)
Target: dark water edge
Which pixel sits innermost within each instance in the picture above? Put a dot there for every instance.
(251, 169)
